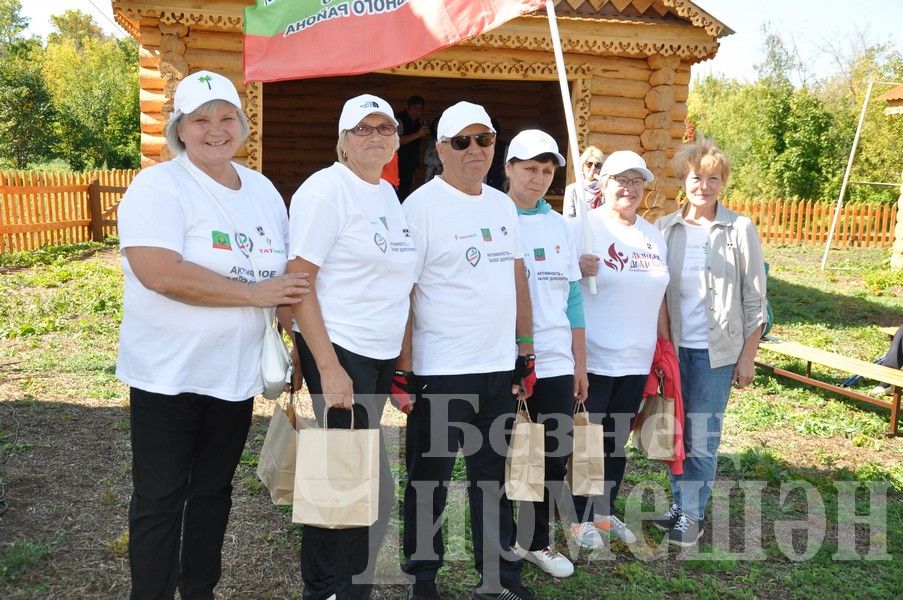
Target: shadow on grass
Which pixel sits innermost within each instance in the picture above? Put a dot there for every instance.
(795, 304)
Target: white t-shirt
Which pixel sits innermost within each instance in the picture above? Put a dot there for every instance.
(622, 318)
(357, 234)
(167, 346)
(694, 326)
(550, 258)
(464, 300)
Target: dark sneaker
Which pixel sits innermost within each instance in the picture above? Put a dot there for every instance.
(512, 593)
(666, 521)
(686, 532)
(424, 590)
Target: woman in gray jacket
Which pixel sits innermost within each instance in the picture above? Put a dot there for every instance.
(716, 308)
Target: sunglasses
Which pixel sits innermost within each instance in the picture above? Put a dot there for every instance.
(462, 142)
(595, 166)
(363, 130)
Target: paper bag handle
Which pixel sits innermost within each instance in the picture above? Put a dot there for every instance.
(326, 410)
(580, 407)
(522, 409)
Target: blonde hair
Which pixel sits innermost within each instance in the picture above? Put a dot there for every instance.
(591, 153)
(701, 155)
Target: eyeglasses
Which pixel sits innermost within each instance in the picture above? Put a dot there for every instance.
(462, 142)
(625, 181)
(363, 130)
(595, 166)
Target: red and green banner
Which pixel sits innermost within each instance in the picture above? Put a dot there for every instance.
(298, 39)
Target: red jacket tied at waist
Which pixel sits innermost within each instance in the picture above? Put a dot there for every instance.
(665, 362)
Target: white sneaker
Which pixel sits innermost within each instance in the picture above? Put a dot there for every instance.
(881, 390)
(548, 559)
(612, 525)
(587, 535)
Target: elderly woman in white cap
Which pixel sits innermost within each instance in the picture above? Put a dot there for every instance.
(550, 257)
(349, 232)
(204, 245)
(623, 321)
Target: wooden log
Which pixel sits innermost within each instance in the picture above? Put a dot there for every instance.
(660, 98)
(664, 76)
(658, 61)
(681, 93)
(149, 57)
(152, 123)
(172, 44)
(151, 101)
(177, 29)
(658, 120)
(655, 139)
(621, 125)
(682, 75)
(655, 160)
(679, 111)
(152, 144)
(151, 36)
(149, 160)
(149, 79)
(609, 142)
(225, 63)
(215, 40)
(618, 107)
(623, 88)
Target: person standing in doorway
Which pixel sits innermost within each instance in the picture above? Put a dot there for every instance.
(411, 130)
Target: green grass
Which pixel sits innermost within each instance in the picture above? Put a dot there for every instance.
(18, 556)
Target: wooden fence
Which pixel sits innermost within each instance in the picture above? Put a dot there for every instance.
(43, 209)
(805, 221)
(47, 209)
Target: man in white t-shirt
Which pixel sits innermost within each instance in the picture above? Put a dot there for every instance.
(470, 345)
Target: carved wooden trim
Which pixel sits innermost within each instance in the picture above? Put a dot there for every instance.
(481, 70)
(604, 46)
(228, 19)
(581, 96)
(254, 112)
(698, 17)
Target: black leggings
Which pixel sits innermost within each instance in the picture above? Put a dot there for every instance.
(894, 356)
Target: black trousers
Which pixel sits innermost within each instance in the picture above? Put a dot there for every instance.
(443, 421)
(613, 401)
(894, 356)
(551, 404)
(185, 449)
(343, 561)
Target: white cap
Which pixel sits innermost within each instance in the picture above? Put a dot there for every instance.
(626, 160)
(461, 115)
(530, 143)
(202, 87)
(359, 107)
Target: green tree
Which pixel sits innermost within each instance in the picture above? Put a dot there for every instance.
(12, 23)
(94, 85)
(26, 113)
(75, 26)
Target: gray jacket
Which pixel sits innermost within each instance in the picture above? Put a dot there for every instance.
(735, 281)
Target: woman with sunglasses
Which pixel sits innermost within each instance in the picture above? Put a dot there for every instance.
(590, 162)
(623, 321)
(347, 229)
(550, 257)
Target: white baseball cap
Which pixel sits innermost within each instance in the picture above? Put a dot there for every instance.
(202, 87)
(461, 115)
(625, 160)
(359, 107)
(530, 143)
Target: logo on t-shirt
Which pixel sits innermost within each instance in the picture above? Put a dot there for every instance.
(487, 235)
(539, 254)
(380, 242)
(504, 230)
(221, 240)
(406, 233)
(385, 223)
(244, 243)
(260, 231)
(618, 259)
(473, 256)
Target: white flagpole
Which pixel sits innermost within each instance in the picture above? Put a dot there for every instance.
(572, 131)
(846, 175)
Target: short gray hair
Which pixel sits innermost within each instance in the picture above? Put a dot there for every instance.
(171, 131)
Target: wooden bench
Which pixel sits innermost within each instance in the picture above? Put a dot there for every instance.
(890, 331)
(892, 377)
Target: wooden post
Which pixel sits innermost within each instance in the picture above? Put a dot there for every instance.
(94, 210)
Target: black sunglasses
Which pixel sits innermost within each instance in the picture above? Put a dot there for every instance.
(462, 142)
(363, 130)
